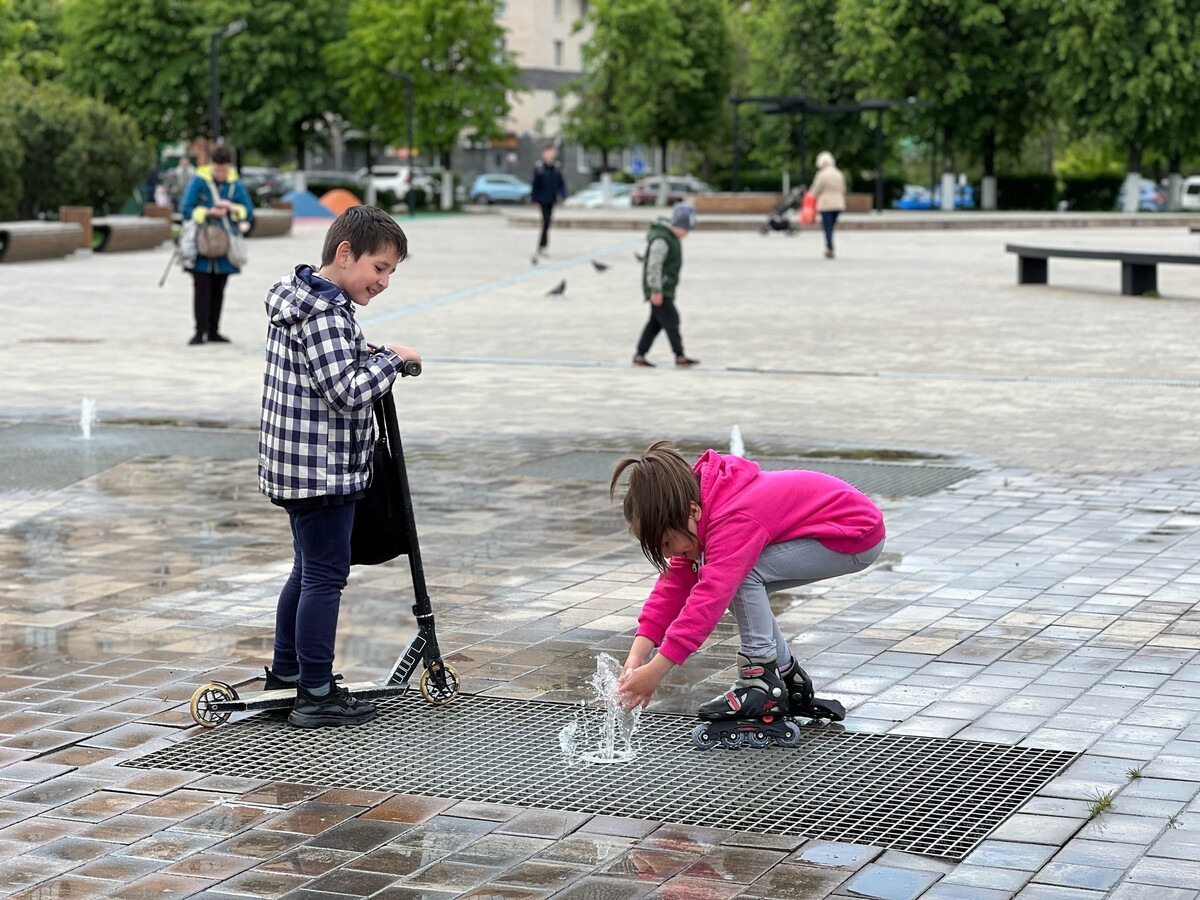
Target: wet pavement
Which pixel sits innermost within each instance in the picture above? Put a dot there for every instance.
(1047, 602)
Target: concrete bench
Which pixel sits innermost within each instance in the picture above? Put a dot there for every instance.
(1139, 269)
(270, 223)
(115, 234)
(38, 240)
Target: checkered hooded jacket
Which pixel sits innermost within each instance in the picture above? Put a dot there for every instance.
(317, 431)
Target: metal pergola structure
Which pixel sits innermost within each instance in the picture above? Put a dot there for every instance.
(804, 106)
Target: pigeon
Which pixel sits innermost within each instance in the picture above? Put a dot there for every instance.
(558, 290)
(638, 256)
(599, 266)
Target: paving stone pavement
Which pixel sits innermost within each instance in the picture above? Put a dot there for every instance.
(1048, 601)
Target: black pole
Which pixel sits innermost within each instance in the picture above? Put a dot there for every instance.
(736, 151)
(214, 125)
(412, 186)
(879, 161)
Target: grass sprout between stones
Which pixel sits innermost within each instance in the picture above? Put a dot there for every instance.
(1101, 803)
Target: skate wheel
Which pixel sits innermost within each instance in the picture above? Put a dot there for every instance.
(206, 695)
(701, 739)
(439, 683)
(791, 737)
(758, 740)
(732, 741)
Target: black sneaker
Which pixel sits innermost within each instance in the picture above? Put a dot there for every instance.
(275, 683)
(336, 708)
(196, 340)
(214, 338)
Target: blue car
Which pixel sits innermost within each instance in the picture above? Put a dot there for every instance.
(918, 197)
(499, 189)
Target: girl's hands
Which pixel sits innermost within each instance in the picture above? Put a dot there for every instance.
(639, 655)
(639, 678)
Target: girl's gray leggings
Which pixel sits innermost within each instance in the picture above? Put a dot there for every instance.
(779, 567)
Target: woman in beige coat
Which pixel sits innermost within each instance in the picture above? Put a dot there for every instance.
(829, 187)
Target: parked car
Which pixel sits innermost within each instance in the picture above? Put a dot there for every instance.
(499, 188)
(1190, 198)
(265, 181)
(399, 179)
(918, 196)
(645, 192)
(592, 196)
(1150, 197)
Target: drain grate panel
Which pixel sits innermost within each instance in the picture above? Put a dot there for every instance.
(879, 479)
(923, 795)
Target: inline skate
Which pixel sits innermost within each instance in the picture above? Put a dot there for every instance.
(752, 713)
(802, 701)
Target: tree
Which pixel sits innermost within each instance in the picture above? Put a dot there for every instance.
(1130, 70)
(977, 61)
(678, 80)
(77, 150)
(29, 39)
(791, 48)
(275, 84)
(454, 52)
(12, 150)
(656, 71)
(147, 58)
(596, 119)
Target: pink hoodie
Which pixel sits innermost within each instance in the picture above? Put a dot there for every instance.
(743, 509)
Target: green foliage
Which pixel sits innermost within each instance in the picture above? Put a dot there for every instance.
(76, 150)
(12, 150)
(1035, 191)
(1096, 193)
(655, 71)
(275, 84)
(452, 49)
(1129, 70)
(790, 48)
(979, 62)
(29, 39)
(148, 58)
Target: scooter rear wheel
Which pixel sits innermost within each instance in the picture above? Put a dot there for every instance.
(203, 699)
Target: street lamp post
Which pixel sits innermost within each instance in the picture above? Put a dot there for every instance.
(228, 31)
(412, 184)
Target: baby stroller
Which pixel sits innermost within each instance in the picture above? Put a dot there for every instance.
(780, 220)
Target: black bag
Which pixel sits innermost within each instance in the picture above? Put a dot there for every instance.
(380, 533)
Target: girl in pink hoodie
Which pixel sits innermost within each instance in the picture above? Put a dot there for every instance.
(724, 534)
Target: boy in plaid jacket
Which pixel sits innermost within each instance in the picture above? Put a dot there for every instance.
(315, 443)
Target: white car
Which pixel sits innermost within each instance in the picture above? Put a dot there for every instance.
(397, 179)
(592, 196)
(1190, 198)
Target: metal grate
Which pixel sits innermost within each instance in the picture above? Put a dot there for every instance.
(886, 479)
(919, 794)
(49, 457)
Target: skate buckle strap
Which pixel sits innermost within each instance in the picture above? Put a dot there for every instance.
(734, 703)
(753, 671)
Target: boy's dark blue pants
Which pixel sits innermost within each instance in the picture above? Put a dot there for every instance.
(306, 618)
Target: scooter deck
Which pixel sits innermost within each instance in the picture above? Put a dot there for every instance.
(285, 698)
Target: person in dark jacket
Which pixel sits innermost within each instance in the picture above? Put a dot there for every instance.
(214, 191)
(660, 277)
(548, 189)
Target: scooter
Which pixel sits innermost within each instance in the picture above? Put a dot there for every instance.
(213, 703)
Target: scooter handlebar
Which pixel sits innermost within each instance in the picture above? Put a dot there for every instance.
(411, 368)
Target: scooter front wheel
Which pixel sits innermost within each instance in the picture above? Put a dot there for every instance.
(439, 683)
